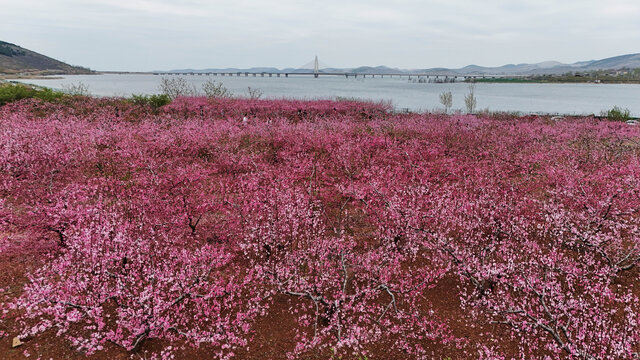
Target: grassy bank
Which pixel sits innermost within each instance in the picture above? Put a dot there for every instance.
(10, 92)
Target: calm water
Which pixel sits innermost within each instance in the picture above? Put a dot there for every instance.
(526, 98)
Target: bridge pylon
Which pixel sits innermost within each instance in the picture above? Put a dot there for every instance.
(315, 68)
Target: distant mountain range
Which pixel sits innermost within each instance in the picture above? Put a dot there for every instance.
(630, 61)
(15, 59)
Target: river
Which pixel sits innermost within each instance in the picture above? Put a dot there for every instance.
(578, 99)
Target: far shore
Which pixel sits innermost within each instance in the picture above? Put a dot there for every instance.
(549, 80)
(27, 76)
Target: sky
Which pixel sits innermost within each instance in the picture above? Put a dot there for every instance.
(145, 35)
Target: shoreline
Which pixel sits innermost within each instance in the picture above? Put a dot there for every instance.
(400, 105)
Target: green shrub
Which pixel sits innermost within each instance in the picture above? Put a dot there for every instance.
(159, 100)
(14, 92)
(139, 99)
(155, 101)
(618, 114)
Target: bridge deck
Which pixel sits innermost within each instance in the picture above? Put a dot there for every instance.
(346, 74)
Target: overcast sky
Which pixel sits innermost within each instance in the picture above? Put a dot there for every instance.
(160, 34)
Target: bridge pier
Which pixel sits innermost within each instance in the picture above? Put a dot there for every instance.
(270, 74)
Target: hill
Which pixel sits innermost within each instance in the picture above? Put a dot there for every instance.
(615, 63)
(630, 61)
(17, 60)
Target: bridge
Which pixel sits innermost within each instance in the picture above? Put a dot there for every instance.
(435, 77)
(316, 73)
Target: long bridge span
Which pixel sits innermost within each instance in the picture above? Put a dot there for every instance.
(316, 72)
(446, 77)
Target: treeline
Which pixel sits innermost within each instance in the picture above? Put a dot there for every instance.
(620, 76)
(7, 50)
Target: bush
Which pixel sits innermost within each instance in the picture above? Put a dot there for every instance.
(77, 89)
(470, 100)
(13, 92)
(446, 99)
(618, 114)
(176, 87)
(214, 89)
(254, 93)
(155, 101)
(159, 100)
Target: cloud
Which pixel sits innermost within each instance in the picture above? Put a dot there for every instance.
(404, 33)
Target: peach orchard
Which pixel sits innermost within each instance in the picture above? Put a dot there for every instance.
(184, 224)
